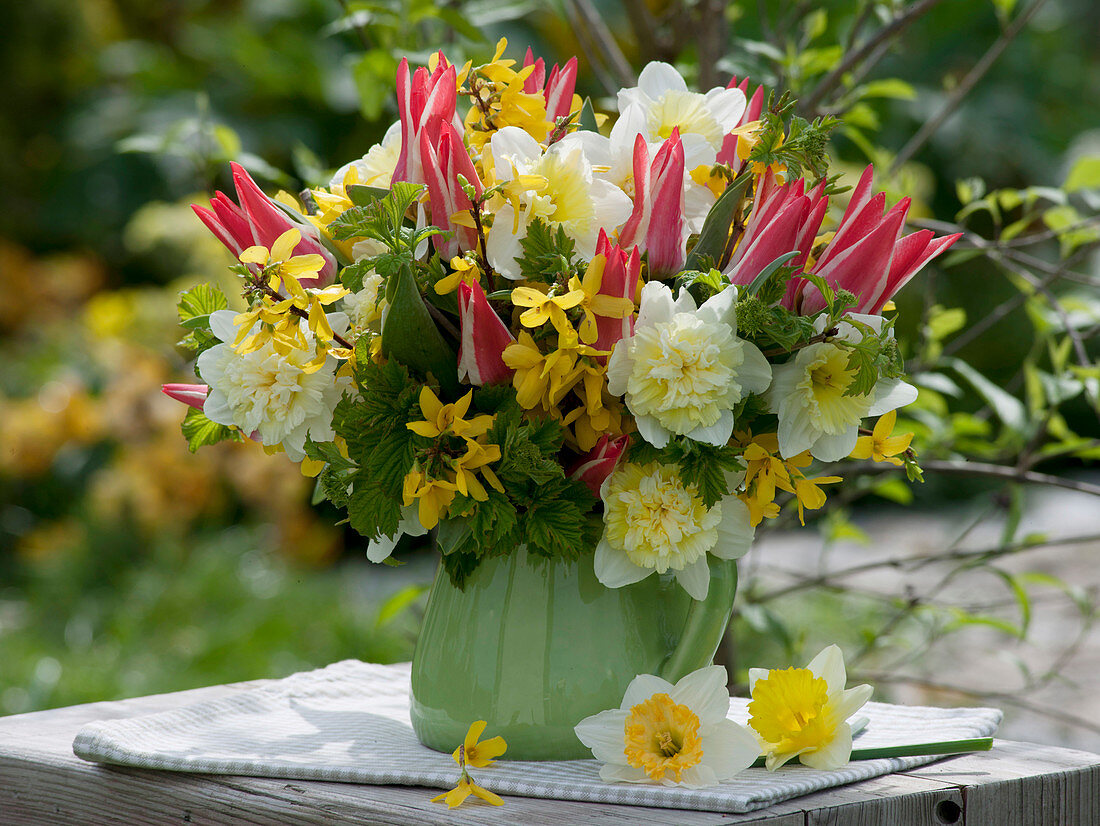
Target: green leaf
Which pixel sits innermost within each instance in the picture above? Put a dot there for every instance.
(398, 603)
(766, 273)
(1084, 174)
(410, 336)
(1008, 408)
(548, 253)
(199, 431)
(890, 87)
(195, 306)
(587, 120)
(715, 235)
(362, 195)
(373, 75)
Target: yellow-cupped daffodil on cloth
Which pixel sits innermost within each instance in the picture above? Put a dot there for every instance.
(670, 734)
(804, 712)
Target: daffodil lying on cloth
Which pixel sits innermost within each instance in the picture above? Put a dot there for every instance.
(670, 734)
(804, 712)
(478, 755)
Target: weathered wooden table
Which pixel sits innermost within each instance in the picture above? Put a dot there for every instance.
(42, 782)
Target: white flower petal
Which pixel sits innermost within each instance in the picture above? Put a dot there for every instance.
(829, 666)
(643, 687)
(754, 675)
(833, 754)
(735, 531)
(513, 145)
(657, 305)
(605, 734)
(656, 78)
(726, 106)
(650, 430)
(852, 700)
(695, 578)
(221, 325)
(716, 434)
(830, 448)
(755, 373)
(891, 394)
(502, 245)
(729, 748)
(618, 367)
(610, 773)
(704, 692)
(698, 776)
(614, 568)
(719, 308)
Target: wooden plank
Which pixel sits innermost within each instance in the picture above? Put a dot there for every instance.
(42, 782)
(1020, 784)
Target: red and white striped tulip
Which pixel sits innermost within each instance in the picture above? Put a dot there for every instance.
(657, 223)
(483, 338)
(444, 158)
(258, 221)
(868, 256)
(423, 99)
(728, 153)
(620, 280)
(557, 89)
(784, 219)
(595, 466)
(193, 395)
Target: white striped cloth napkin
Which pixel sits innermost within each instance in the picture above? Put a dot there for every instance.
(350, 722)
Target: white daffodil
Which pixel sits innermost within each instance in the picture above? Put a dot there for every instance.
(808, 396)
(556, 185)
(670, 734)
(269, 394)
(664, 103)
(803, 712)
(684, 368)
(376, 167)
(654, 522)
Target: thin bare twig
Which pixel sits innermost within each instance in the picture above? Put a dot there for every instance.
(608, 47)
(915, 563)
(997, 696)
(855, 57)
(993, 471)
(929, 127)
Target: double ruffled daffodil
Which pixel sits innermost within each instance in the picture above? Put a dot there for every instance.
(478, 755)
(684, 368)
(282, 397)
(670, 734)
(654, 522)
(803, 712)
(880, 445)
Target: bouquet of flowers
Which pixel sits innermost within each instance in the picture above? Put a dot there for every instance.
(517, 321)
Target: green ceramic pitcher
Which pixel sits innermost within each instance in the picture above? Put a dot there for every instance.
(533, 646)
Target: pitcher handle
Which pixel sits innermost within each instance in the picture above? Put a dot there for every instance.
(706, 622)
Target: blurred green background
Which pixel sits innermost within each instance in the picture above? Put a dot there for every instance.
(129, 566)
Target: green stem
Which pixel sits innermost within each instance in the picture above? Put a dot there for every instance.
(918, 750)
